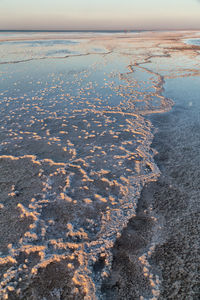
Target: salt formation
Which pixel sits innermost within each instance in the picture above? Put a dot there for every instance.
(75, 154)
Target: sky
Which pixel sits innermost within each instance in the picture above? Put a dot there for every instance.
(99, 14)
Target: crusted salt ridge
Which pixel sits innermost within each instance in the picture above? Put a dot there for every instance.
(54, 57)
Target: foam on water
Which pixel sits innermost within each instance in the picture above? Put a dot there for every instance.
(75, 153)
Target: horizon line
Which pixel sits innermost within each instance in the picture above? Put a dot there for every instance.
(100, 30)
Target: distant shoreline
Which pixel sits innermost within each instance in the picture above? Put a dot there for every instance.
(95, 30)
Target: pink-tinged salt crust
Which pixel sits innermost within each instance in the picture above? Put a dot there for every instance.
(75, 154)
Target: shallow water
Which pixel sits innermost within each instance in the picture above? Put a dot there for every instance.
(75, 152)
(195, 41)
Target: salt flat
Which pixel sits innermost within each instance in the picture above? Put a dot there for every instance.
(77, 123)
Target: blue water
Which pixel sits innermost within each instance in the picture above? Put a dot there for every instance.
(195, 41)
